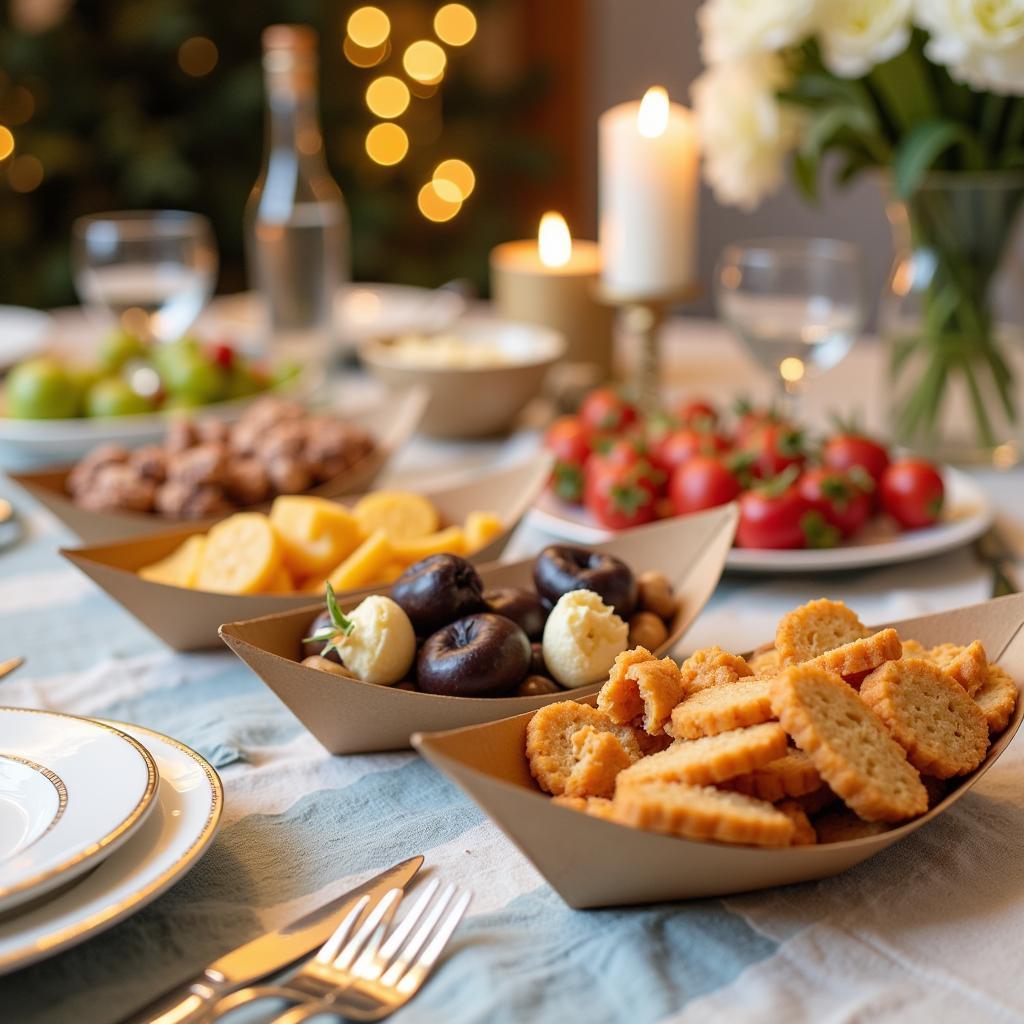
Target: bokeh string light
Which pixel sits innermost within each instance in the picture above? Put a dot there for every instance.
(368, 27)
(454, 176)
(387, 96)
(25, 173)
(6, 142)
(198, 56)
(437, 207)
(455, 24)
(424, 61)
(387, 143)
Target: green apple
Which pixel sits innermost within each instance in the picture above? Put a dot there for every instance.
(113, 396)
(118, 348)
(188, 374)
(40, 389)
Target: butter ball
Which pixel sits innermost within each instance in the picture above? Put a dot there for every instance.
(382, 646)
(582, 638)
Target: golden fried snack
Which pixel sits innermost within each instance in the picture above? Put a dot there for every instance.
(792, 775)
(863, 655)
(599, 757)
(848, 743)
(997, 698)
(814, 628)
(841, 825)
(803, 830)
(967, 665)
(712, 666)
(595, 806)
(765, 662)
(718, 709)
(702, 812)
(710, 759)
(641, 691)
(817, 801)
(620, 698)
(914, 649)
(935, 721)
(549, 741)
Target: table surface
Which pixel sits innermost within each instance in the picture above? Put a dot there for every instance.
(928, 930)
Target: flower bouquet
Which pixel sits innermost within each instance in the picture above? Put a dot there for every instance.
(932, 93)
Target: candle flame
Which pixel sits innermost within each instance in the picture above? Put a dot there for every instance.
(652, 117)
(554, 240)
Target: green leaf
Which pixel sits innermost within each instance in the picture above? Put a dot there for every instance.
(805, 174)
(918, 152)
(342, 624)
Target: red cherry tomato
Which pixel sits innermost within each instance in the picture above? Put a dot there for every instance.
(775, 447)
(912, 493)
(569, 439)
(777, 515)
(752, 420)
(610, 451)
(839, 499)
(697, 412)
(620, 496)
(222, 354)
(846, 451)
(702, 482)
(605, 410)
(680, 445)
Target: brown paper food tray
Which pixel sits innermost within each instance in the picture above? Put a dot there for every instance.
(392, 423)
(187, 620)
(596, 863)
(349, 717)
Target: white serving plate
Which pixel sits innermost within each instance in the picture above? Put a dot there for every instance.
(968, 514)
(185, 817)
(22, 333)
(104, 783)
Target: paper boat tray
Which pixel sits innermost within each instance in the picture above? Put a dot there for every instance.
(187, 620)
(392, 423)
(349, 717)
(596, 863)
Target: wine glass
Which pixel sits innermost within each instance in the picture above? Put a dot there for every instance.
(154, 270)
(796, 303)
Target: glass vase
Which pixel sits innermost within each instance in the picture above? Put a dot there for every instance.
(951, 317)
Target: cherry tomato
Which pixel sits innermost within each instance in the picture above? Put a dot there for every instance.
(569, 439)
(697, 412)
(680, 445)
(222, 354)
(604, 409)
(776, 447)
(845, 451)
(702, 482)
(620, 496)
(912, 493)
(839, 499)
(612, 451)
(751, 420)
(777, 515)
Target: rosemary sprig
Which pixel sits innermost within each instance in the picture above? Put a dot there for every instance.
(341, 626)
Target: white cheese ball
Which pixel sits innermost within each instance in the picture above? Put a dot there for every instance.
(582, 638)
(382, 647)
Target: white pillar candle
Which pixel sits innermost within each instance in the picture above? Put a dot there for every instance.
(648, 178)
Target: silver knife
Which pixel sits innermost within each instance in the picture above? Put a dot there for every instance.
(189, 1002)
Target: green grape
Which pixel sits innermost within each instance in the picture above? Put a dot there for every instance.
(118, 348)
(192, 376)
(113, 396)
(40, 389)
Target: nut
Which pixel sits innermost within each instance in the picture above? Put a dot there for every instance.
(211, 431)
(203, 464)
(151, 462)
(647, 630)
(117, 486)
(656, 595)
(324, 665)
(181, 435)
(537, 686)
(81, 477)
(288, 475)
(246, 480)
(287, 439)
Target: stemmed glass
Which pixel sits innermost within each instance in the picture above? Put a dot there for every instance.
(797, 304)
(154, 270)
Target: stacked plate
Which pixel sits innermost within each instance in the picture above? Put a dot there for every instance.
(96, 819)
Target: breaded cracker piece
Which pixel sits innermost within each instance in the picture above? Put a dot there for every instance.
(710, 759)
(702, 812)
(765, 663)
(711, 666)
(841, 825)
(660, 686)
(549, 742)
(814, 628)
(619, 698)
(967, 665)
(600, 756)
(862, 656)
(803, 830)
(718, 709)
(848, 743)
(997, 698)
(928, 714)
(595, 806)
(822, 797)
(791, 775)
(914, 649)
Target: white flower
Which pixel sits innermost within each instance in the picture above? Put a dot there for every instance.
(745, 132)
(731, 29)
(981, 42)
(856, 35)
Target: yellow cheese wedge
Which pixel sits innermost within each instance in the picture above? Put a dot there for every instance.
(316, 533)
(400, 514)
(243, 555)
(181, 567)
(450, 541)
(282, 583)
(365, 565)
(481, 529)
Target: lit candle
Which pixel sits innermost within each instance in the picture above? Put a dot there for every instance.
(648, 177)
(551, 280)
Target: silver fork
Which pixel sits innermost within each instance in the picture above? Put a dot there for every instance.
(388, 973)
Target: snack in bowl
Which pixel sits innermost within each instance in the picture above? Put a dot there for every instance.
(306, 542)
(803, 754)
(477, 643)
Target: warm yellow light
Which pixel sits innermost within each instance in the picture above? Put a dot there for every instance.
(25, 173)
(363, 57)
(791, 369)
(424, 61)
(387, 96)
(435, 206)
(652, 117)
(554, 240)
(455, 24)
(197, 56)
(368, 27)
(387, 144)
(454, 179)
(6, 142)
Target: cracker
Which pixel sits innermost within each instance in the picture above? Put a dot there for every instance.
(997, 698)
(600, 756)
(660, 686)
(702, 812)
(595, 806)
(711, 666)
(791, 775)
(718, 709)
(914, 649)
(814, 628)
(549, 741)
(710, 759)
(967, 665)
(863, 655)
(803, 830)
(842, 825)
(935, 721)
(619, 698)
(848, 743)
(765, 663)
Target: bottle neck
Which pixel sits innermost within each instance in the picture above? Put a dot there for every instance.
(293, 120)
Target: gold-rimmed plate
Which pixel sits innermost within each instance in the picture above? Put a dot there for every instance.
(187, 810)
(73, 790)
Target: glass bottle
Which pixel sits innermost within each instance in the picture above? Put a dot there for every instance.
(296, 221)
